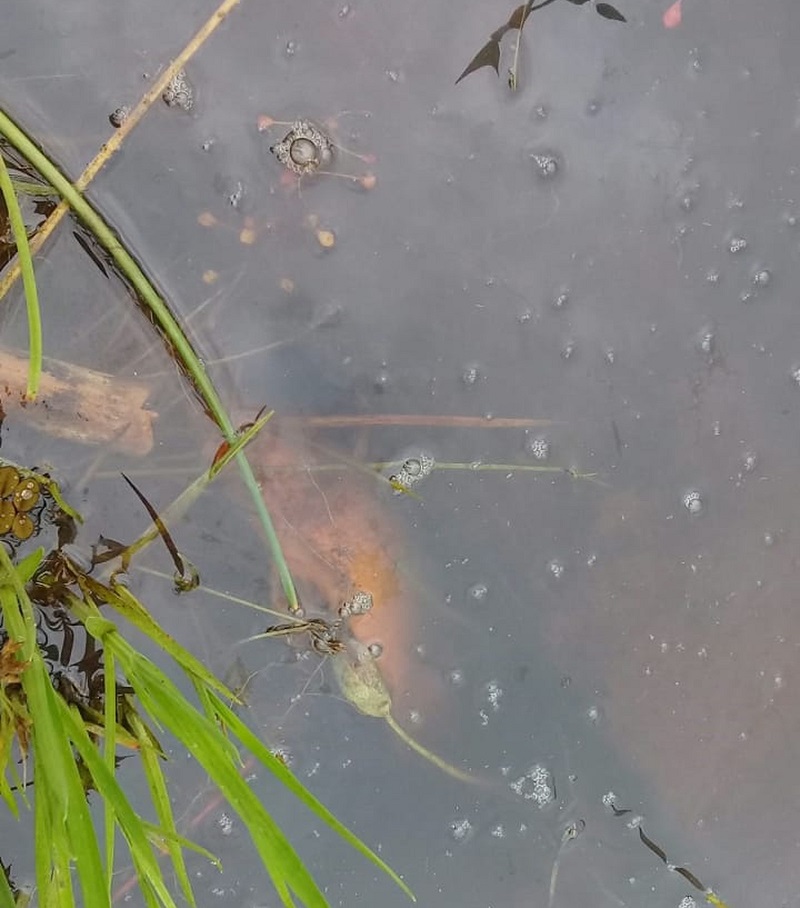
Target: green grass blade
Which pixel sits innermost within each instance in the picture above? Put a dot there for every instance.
(109, 756)
(20, 235)
(284, 775)
(64, 894)
(215, 753)
(41, 846)
(130, 608)
(150, 757)
(160, 837)
(108, 787)
(6, 895)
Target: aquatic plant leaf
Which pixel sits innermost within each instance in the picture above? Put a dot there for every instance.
(84, 243)
(287, 778)
(162, 529)
(6, 893)
(151, 755)
(107, 785)
(488, 55)
(607, 11)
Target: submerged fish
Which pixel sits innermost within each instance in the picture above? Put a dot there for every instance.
(340, 540)
(673, 16)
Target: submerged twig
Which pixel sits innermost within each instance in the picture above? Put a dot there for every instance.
(344, 421)
(114, 143)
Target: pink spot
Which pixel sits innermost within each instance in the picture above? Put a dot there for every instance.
(672, 17)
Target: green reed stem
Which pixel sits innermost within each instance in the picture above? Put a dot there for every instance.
(184, 351)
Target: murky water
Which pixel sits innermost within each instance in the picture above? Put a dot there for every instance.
(613, 248)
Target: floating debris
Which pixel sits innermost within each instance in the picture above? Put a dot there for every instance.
(326, 238)
(610, 800)
(362, 684)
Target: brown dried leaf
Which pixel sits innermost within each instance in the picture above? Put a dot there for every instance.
(488, 55)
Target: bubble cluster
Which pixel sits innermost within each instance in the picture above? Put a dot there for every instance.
(706, 341)
(594, 715)
(470, 374)
(382, 381)
(358, 604)
(693, 502)
(456, 677)
(235, 197)
(225, 824)
(413, 471)
(538, 447)
(283, 754)
(687, 902)
(179, 92)
(493, 694)
(749, 461)
(556, 568)
(461, 829)
(535, 785)
(737, 244)
(478, 592)
(761, 277)
(546, 163)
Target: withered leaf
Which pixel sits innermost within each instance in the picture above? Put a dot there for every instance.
(656, 849)
(519, 17)
(488, 55)
(607, 11)
(11, 668)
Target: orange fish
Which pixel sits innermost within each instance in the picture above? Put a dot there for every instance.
(673, 16)
(339, 539)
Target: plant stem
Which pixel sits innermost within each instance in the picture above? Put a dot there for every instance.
(162, 317)
(20, 235)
